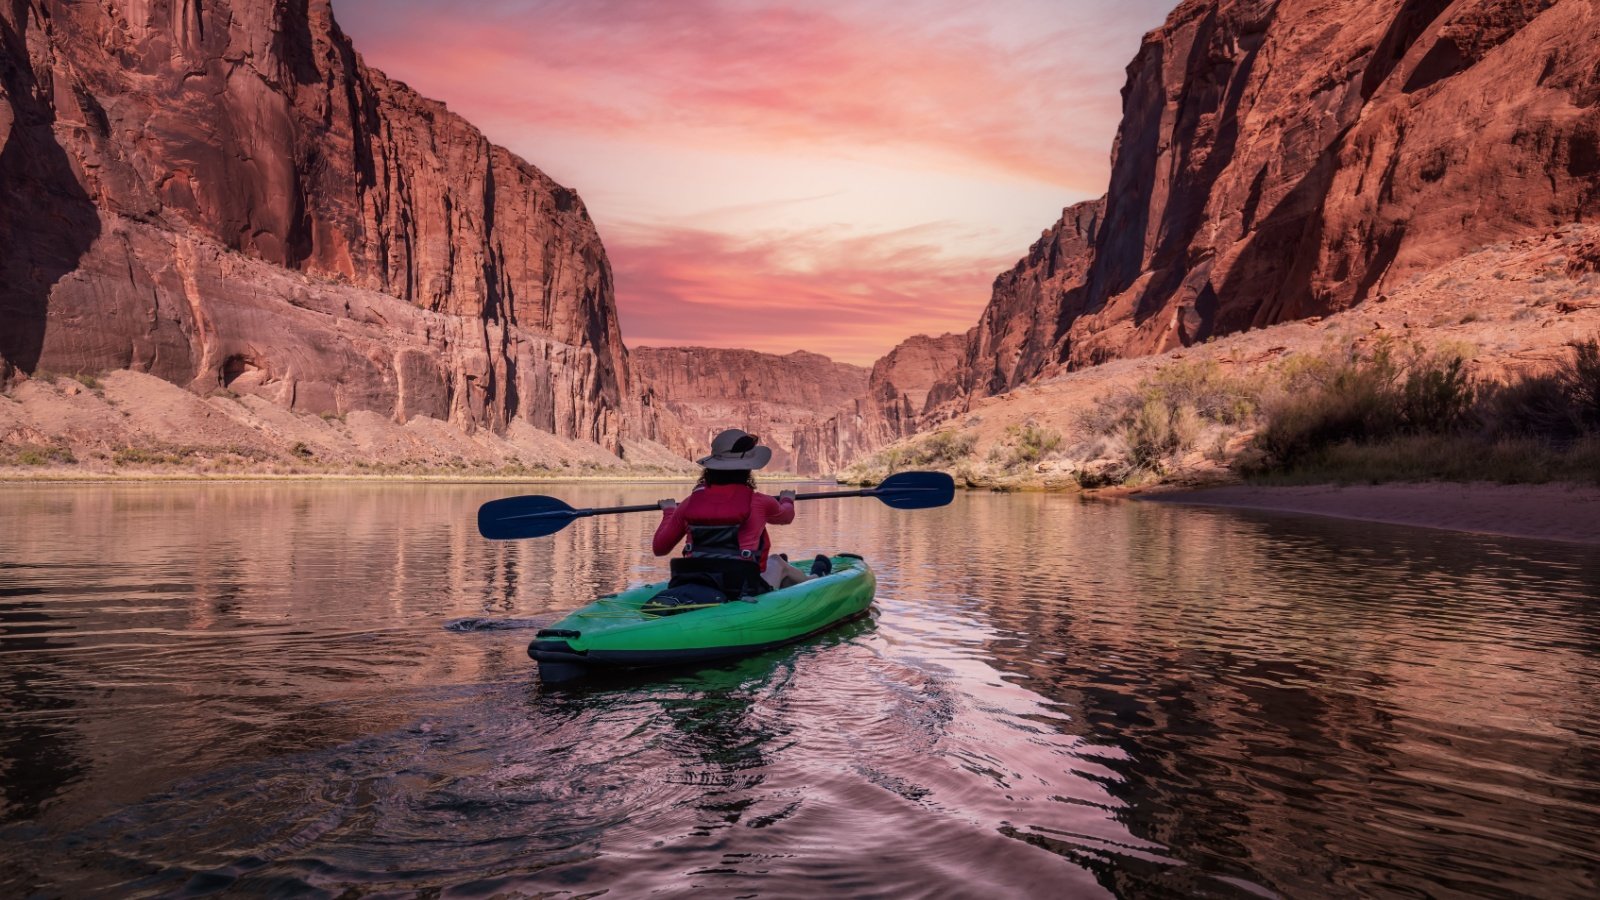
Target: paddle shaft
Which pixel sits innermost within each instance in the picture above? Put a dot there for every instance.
(823, 495)
(611, 510)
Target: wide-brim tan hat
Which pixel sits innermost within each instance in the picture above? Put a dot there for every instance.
(736, 449)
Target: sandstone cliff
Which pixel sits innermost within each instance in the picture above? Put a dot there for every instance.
(773, 396)
(891, 407)
(1278, 160)
(185, 181)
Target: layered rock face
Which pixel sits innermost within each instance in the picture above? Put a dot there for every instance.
(892, 406)
(1278, 160)
(776, 397)
(183, 181)
(1016, 337)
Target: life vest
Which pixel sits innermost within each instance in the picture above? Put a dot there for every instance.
(719, 538)
(713, 558)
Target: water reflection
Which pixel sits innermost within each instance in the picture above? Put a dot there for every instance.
(250, 687)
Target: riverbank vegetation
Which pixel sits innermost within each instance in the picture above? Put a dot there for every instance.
(1368, 410)
(1384, 415)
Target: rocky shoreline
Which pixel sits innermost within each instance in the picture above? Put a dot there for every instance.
(126, 424)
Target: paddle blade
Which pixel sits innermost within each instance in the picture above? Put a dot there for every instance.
(916, 490)
(524, 517)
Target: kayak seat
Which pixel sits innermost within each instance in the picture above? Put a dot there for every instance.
(684, 597)
(734, 578)
(706, 581)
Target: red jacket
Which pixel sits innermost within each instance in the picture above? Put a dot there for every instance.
(725, 503)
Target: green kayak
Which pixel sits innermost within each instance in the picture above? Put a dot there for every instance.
(617, 632)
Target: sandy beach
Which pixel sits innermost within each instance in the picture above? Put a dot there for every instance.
(1556, 512)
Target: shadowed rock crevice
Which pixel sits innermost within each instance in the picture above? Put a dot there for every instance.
(1281, 254)
(1469, 36)
(1407, 26)
(1215, 82)
(47, 220)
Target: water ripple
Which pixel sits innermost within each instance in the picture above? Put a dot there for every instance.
(321, 690)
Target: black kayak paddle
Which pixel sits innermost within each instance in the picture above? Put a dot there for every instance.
(536, 516)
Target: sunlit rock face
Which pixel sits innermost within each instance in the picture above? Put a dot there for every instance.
(183, 180)
(1279, 160)
(775, 397)
(896, 394)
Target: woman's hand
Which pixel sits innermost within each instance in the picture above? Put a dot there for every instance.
(786, 495)
(668, 505)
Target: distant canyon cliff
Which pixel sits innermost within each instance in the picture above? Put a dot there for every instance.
(896, 396)
(775, 397)
(222, 194)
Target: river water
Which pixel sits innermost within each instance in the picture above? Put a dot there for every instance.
(294, 689)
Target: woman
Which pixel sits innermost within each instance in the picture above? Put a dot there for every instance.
(725, 517)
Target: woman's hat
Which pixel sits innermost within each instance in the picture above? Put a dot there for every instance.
(734, 449)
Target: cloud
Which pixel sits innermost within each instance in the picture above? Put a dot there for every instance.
(851, 296)
(914, 81)
(718, 142)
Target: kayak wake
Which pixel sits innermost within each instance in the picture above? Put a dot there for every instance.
(482, 623)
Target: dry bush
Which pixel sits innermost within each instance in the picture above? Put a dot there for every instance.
(1363, 395)
(1562, 405)
(1167, 413)
(946, 449)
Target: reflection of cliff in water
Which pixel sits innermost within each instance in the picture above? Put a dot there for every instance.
(241, 619)
(1291, 692)
(39, 754)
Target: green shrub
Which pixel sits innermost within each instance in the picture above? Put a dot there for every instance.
(34, 455)
(1212, 394)
(1150, 435)
(88, 381)
(944, 447)
(1034, 443)
(1445, 457)
(1025, 445)
(1534, 405)
(941, 449)
(138, 456)
(1438, 395)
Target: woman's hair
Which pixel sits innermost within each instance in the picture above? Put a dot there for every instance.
(727, 476)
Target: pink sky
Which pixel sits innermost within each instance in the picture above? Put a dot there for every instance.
(825, 176)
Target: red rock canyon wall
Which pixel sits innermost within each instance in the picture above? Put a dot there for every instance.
(1278, 160)
(181, 180)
